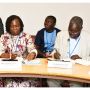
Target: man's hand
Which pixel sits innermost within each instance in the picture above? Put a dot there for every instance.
(31, 56)
(48, 55)
(57, 55)
(74, 57)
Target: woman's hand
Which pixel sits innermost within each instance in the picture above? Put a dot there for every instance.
(74, 57)
(31, 56)
(7, 55)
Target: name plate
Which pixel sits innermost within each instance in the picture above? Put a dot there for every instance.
(61, 64)
(10, 65)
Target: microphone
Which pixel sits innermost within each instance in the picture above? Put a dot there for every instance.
(10, 50)
(10, 58)
(68, 39)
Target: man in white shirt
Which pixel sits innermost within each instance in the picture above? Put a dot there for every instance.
(74, 44)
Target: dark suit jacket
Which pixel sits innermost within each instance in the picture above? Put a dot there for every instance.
(39, 40)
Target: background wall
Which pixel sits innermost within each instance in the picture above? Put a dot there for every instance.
(34, 14)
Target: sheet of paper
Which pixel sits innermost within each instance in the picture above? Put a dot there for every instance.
(33, 62)
(82, 62)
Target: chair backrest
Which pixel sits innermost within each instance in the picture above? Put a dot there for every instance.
(33, 38)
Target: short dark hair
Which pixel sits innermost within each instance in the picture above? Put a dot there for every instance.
(10, 19)
(77, 20)
(51, 17)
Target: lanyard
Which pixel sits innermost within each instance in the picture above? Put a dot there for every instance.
(73, 48)
(14, 43)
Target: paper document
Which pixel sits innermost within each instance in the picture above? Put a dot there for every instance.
(82, 62)
(61, 64)
(33, 62)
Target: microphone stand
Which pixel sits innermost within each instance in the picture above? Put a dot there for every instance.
(10, 58)
(10, 52)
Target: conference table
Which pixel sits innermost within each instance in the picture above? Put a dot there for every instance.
(79, 73)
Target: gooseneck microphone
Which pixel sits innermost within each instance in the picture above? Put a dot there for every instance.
(68, 39)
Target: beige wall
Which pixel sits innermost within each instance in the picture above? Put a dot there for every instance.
(33, 14)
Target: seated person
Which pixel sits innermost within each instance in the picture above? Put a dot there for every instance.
(1, 32)
(1, 27)
(73, 43)
(20, 44)
(45, 38)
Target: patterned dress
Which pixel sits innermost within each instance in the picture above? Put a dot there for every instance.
(20, 45)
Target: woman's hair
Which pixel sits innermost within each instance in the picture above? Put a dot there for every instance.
(10, 19)
(77, 20)
(51, 17)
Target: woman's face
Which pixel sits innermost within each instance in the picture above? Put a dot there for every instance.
(15, 27)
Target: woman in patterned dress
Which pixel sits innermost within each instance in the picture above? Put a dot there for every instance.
(20, 44)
